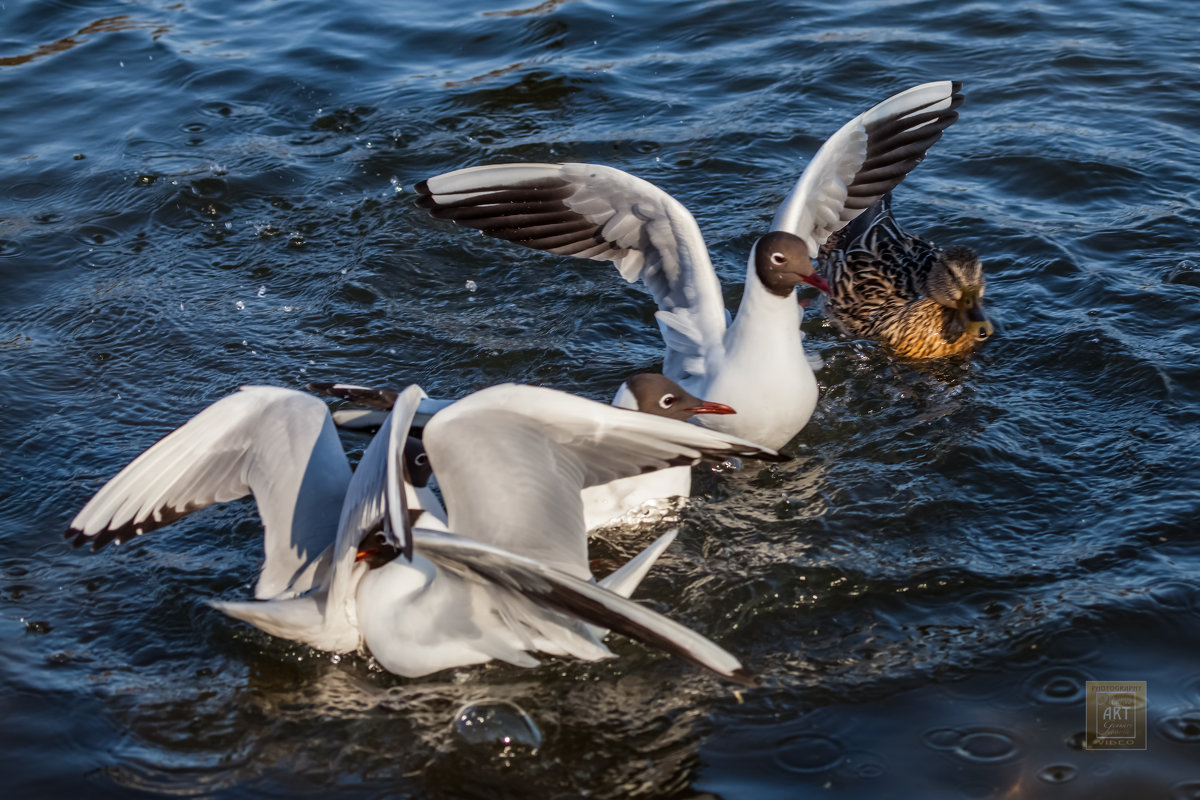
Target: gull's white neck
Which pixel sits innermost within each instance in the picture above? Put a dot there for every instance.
(767, 326)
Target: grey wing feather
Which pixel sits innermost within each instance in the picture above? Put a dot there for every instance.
(601, 213)
(580, 599)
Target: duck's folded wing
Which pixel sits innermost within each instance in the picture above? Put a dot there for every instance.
(276, 443)
(511, 461)
(580, 599)
(601, 213)
(867, 158)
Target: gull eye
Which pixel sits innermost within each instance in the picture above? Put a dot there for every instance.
(666, 401)
(421, 460)
(778, 259)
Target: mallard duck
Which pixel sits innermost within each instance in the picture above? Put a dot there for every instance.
(905, 291)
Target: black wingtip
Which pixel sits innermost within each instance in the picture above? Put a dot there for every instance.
(422, 188)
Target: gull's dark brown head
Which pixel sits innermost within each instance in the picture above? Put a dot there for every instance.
(781, 262)
(659, 395)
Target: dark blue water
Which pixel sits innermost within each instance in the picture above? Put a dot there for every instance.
(198, 195)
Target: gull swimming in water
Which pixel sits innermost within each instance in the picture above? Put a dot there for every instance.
(506, 574)
(604, 504)
(757, 363)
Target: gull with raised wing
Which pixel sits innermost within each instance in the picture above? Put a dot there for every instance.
(757, 363)
(604, 504)
(506, 575)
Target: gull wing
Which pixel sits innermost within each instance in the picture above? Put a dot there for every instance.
(278, 444)
(864, 160)
(601, 213)
(578, 598)
(511, 461)
(375, 499)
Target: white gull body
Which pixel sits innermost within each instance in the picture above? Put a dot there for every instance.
(506, 575)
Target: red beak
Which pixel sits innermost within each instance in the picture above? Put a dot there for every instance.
(363, 554)
(816, 281)
(706, 407)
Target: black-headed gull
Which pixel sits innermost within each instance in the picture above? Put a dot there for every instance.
(508, 573)
(604, 504)
(756, 364)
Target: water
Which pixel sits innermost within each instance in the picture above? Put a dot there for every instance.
(201, 195)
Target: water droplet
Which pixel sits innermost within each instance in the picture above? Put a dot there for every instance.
(986, 746)
(497, 723)
(808, 753)
(1182, 726)
(262, 291)
(1058, 773)
(943, 738)
(96, 235)
(471, 286)
(862, 764)
(1057, 685)
(240, 306)
(335, 658)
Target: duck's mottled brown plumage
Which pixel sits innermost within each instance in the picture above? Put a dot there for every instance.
(890, 285)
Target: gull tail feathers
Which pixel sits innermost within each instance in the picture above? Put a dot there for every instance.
(300, 619)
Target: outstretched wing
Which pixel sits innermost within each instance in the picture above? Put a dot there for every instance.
(601, 213)
(580, 599)
(511, 461)
(864, 160)
(276, 443)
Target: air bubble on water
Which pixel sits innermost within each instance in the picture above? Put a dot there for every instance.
(471, 285)
(228, 226)
(239, 305)
(497, 723)
(287, 308)
(396, 185)
(335, 658)
(262, 291)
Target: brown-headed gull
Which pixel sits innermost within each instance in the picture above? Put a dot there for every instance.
(505, 575)
(605, 504)
(757, 363)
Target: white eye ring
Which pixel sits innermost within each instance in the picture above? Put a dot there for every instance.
(421, 460)
(666, 401)
(778, 259)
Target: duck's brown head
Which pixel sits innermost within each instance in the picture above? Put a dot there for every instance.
(956, 281)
